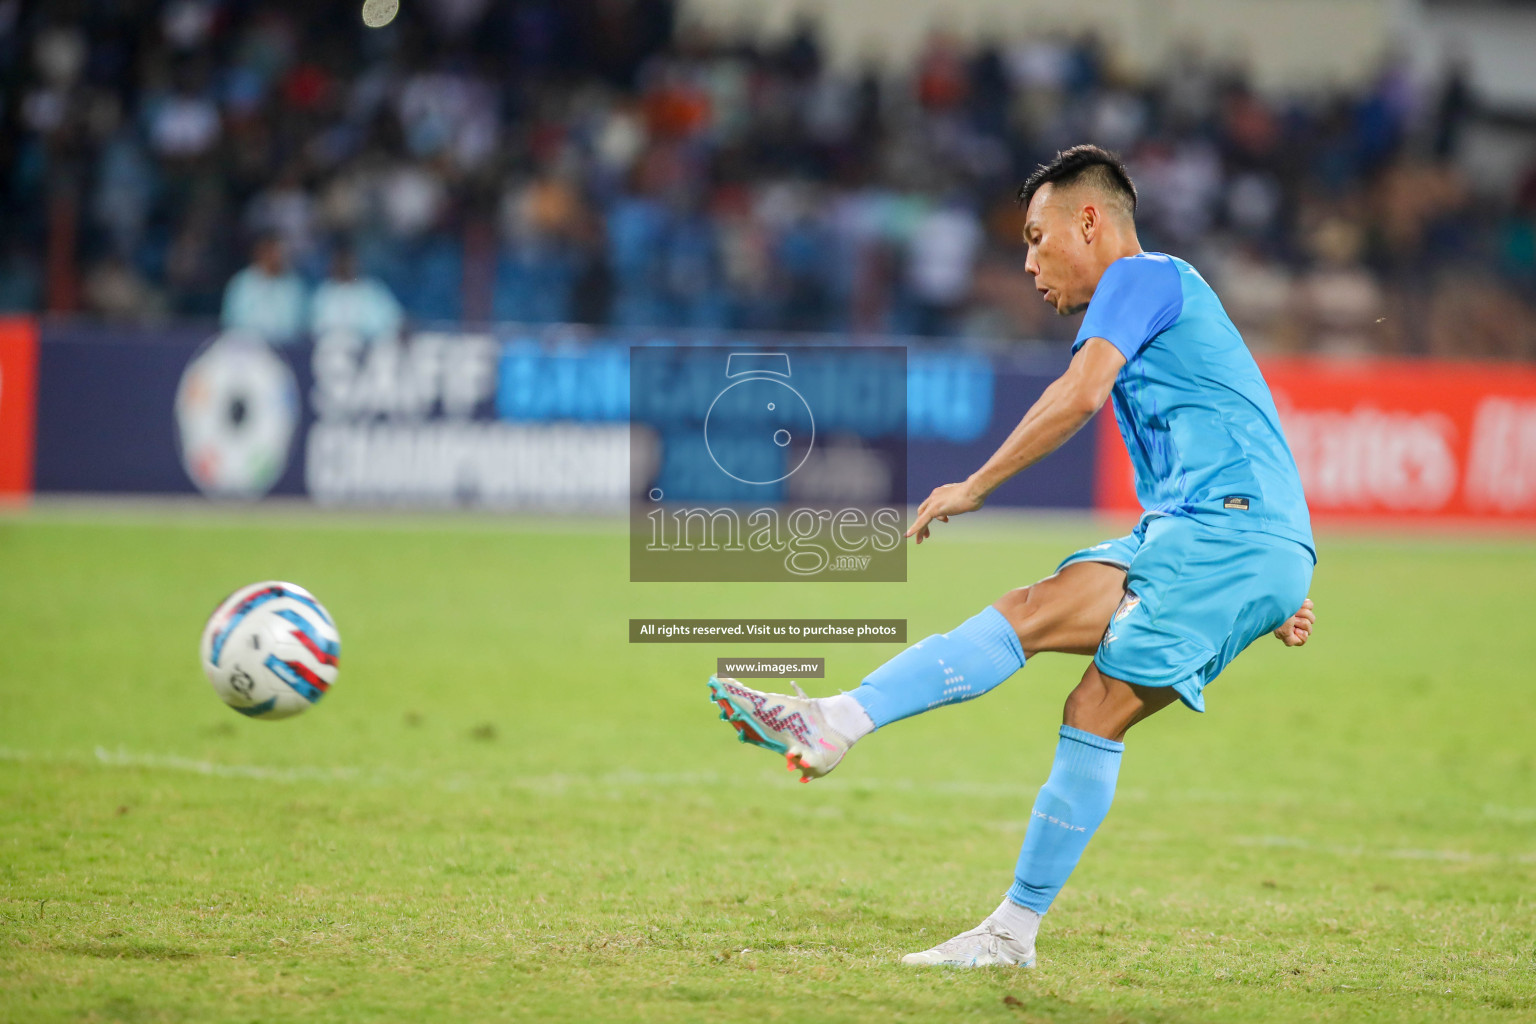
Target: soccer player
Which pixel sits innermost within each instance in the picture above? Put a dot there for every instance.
(1222, 555)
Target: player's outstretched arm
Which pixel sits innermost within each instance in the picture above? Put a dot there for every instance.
(1295, 632)
(1061, 411)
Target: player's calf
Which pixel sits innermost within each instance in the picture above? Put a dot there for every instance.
(1107, 707)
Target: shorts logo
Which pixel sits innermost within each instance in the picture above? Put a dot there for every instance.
(1235, 502)
(1127, 605)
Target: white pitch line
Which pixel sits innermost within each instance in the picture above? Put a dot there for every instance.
(172, 762)
(554, 781)
(559, 782)
(1391, 853)
(120, 758)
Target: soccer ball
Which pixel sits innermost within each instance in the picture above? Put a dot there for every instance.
(270, 650)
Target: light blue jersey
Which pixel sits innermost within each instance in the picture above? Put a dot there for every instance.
(1224, 551)
(1197, 418)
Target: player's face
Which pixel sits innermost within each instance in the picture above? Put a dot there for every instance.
(1057, 251)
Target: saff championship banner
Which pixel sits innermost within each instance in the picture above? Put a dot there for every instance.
(1412, 442)
(512, 417)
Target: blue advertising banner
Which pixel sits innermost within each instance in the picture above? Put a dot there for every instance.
(504, 418)
(106, 409)
(961, 407)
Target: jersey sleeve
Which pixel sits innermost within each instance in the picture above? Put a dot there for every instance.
(1137, 298)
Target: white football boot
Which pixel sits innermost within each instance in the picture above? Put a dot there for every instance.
(793, 726)
(986, 945)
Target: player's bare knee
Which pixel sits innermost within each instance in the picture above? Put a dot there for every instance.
(1017, 609)
(1097, 706)
(1083, 705)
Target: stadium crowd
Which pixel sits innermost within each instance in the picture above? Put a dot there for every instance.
(598, 162)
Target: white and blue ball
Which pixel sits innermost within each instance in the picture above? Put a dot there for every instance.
(270, 650)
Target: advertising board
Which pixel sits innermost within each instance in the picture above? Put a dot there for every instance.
(1405, 441)
(18, 394)
(514, 418)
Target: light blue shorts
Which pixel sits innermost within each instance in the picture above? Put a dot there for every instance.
(1195, 597)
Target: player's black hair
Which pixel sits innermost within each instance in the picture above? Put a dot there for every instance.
(1087, 164)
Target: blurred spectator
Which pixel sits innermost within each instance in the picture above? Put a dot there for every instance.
(266, 298)
(346, 301)
(944, 246)
(21, 285)
(184, 123)
(116, 290)
(287, 211)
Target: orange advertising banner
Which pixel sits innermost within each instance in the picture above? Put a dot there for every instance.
(1408, 441)
(18, 404)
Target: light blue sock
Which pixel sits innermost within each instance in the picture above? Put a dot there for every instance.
(1067, 812)
(946, 668)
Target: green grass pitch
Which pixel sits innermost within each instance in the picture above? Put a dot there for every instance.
(504, 811)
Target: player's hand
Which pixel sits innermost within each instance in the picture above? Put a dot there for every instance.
(1295, 632)
(946, 501)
